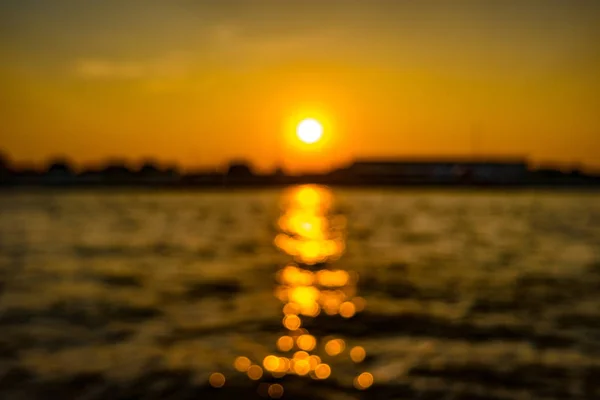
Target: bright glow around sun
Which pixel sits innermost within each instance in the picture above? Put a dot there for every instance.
(309, 130)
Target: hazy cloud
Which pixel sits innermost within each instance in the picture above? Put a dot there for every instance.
(171, 66)
(237, 47)
(96, 68)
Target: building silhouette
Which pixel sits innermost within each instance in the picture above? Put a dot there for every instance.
(440, 170)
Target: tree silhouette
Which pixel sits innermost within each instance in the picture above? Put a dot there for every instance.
(5, 169)
(239, 169)
(149, 168)
(59, 166)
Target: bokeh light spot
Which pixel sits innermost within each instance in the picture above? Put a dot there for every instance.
(313, 361)
(335, 347)
(292, 322)
(255, 372)
(359, 303)
(358, 354)
(285, 343)
(271, 363)
(363, 381)
(284, 364)
(306, 342)
(301, 367)
(347, 309)
(322, 371)
(242, 363)
(216, 380)
(291, 309)
(275, 391)
(300, 355)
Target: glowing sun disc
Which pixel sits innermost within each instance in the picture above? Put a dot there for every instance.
(309, 131)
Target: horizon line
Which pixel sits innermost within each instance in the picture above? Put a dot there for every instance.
(139, 162)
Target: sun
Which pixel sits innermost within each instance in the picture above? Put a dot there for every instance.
(309, 130)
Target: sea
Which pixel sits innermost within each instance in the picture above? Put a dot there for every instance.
(305, 292)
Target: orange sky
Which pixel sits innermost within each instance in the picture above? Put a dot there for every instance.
(201, 82)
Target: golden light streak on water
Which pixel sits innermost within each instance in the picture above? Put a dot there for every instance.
(311, 235)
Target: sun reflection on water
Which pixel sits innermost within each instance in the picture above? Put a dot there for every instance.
(310, 285)
(307, 231)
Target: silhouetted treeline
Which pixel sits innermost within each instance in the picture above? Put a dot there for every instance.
(503, 172)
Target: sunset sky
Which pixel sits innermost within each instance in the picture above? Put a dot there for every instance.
(201, 82)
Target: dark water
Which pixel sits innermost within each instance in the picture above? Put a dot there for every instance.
(156, 295)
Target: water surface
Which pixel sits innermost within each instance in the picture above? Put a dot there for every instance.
(146, 294)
